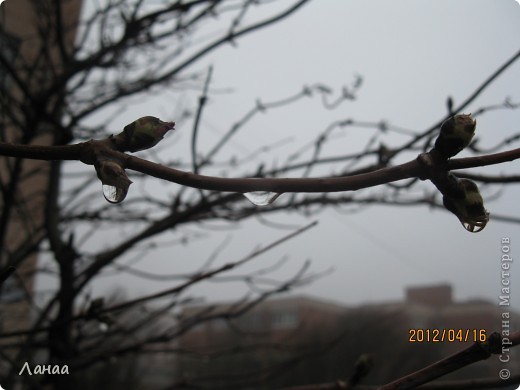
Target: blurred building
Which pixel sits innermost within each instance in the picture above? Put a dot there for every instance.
(432, 322)
(220, 345)
(274, 320)
(225, 345)
(24, 182)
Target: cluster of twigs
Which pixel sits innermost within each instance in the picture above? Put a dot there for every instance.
(75, 73)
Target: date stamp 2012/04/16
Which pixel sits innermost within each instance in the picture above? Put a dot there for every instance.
(446, 335)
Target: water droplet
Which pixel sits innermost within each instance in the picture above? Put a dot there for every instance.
(114, 179)
(473, 227)
(262, 198)
(114, 194)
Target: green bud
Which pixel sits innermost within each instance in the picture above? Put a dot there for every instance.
(456, 133)
(362, 367)
(111, 173)
(143, 133)
(469, 209)
(95, 306)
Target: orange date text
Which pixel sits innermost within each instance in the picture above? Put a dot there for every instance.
(446, 335)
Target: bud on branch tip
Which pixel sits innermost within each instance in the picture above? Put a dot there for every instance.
(456, 134)
(469, 207)
(143, 133)
(114, 179)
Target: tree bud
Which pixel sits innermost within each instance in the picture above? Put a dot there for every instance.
(114, 179)
(456, 133)
(143, 133)
(469, 208)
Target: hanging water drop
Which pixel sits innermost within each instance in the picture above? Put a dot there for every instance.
(114, 179)
(474, 227)
(114, 194)
(103, 327)
(262, 198)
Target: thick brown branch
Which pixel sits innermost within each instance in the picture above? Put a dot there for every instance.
(472, 354)
(480, 161)
(40, 152)
(279, 185)
(86, 150)
(470, 384)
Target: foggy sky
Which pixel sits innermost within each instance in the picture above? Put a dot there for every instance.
(411, 56)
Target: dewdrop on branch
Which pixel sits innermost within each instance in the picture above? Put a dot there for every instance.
(469, 207)
(261, 198)
(114, 194)
(114, 179)
(103, 327)
(456, 134)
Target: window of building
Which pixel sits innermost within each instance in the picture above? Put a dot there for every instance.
(251, 321)
(284, 319)
(219, 324)
(11, 291)
(9, 46)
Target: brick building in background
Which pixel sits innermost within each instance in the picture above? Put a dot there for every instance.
(265, 336)
(429, 308)
(273, 321)
(24, 182)
(268, 333)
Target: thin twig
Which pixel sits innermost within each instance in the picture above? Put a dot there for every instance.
(6, 273)
(202, 103)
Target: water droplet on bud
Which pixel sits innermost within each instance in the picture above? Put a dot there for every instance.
(114, 194)
(262, 198)
(473, 227)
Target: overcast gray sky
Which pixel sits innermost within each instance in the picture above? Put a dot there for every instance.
(411, 55)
